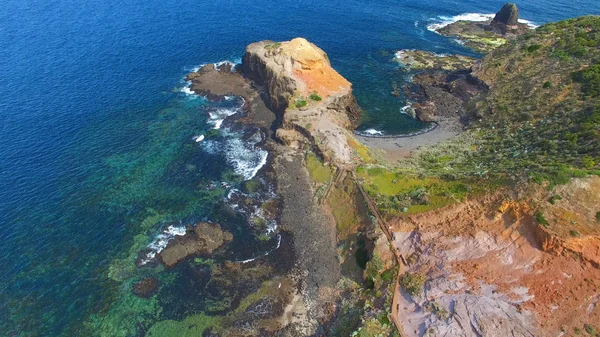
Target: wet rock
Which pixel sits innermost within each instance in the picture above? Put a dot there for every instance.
(145, 288)
(202, 239)
(508, 15)
(440, 94)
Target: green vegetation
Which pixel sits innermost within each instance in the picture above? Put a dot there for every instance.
(395, 192)
(315, 96)
(533, 48)
(413, 283)
(252, 186)
(361, 151)
(374, 268)
(191, 326)
(347, 208)
(319, 172)
(300, 102)
(574, 233)
(539, 217)
(589, 79)
(553, 199)
(591, 330)
(549, 135)
(598, 216)
(273, 45)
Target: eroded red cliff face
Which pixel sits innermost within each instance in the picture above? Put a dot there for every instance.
(493, 270)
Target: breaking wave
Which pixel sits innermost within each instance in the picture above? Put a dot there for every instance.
(161, 241)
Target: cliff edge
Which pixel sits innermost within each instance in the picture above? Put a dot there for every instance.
(313, 102)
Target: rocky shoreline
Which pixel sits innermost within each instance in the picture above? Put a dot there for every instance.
(268, 95)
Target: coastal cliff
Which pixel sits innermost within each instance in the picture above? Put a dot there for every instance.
(471, 236)
(313, 102)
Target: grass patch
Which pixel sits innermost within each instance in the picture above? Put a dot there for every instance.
(361, 150)
(396, 193)
(318, 171)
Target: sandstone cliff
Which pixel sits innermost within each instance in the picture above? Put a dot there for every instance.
(313, 102)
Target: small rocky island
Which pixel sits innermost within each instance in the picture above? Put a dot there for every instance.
(488, 35)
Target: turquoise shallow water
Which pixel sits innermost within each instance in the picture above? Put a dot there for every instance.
(97, 140)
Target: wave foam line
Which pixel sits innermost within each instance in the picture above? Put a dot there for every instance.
(161, 241)
(443, 21)
(265, 254)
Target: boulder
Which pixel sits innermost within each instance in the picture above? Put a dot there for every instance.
(425, 112)
(508, 15)
(201, 239)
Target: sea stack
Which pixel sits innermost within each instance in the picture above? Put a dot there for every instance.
(508, 15)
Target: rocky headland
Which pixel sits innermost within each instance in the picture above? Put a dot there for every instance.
(489, 230)
(314, 103)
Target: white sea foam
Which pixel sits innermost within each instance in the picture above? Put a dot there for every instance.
(217, 117)
(245, 157)
(265, 254)
(187, 90)
(443, 21)
(198, 139)
(373, 132)
(161, 241)
(405, 109)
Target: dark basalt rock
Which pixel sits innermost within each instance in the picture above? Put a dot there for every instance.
(145, 288)
(508, 15)
(437, 95)
(201, 239)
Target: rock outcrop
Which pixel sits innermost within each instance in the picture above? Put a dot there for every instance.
(488, 35)
(420, 59)
(314, 103)
(442, 95)
(508, 15)
(201, 239)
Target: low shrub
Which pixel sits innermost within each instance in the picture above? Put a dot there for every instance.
(413, 283)
(539, 217)
(315, 96)
(300, 103)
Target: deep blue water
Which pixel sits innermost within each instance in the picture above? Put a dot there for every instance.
(93, 128)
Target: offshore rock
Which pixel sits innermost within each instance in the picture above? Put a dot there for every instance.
(508, 15)
(202, 239)
(488, 35)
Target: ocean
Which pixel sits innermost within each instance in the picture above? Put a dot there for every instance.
(105, 152)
